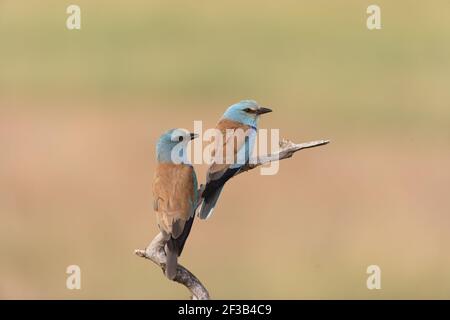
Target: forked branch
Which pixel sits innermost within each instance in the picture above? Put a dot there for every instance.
(155, 252)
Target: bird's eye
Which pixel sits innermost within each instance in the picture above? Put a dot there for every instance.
(248, 110)
(180, 138)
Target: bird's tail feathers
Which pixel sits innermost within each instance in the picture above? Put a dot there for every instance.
(209, 202)
(181, 240)
(171, 259)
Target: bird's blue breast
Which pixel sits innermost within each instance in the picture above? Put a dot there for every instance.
(245, 152)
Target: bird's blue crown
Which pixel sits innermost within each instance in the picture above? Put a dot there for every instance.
(237, 113)
(168, 141)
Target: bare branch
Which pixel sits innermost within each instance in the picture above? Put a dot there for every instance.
(287, 150)
(155, 252)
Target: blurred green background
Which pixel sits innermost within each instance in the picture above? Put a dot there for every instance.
(80, 112)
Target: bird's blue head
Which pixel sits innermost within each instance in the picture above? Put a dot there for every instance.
(171, 146)
(246, 112)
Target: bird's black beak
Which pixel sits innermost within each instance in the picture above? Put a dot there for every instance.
(263, 110)
(193, 136)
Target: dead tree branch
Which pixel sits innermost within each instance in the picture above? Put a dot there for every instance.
(155, 250)
(287, 150)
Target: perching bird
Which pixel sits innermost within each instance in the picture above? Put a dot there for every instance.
(242, 115)
(175, 194)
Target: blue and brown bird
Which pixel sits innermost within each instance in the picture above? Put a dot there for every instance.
(175, 194)
(242, 116)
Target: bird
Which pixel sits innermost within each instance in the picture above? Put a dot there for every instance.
(175, 194)
(242, 116)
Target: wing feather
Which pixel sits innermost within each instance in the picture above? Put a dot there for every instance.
(174, 191)
(235, 137)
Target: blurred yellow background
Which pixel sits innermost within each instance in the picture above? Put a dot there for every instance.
(80, 112)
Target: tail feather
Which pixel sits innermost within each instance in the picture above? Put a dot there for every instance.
(212, 192)
(209, 202)
(173, 249)
(181, 240)
(172, 259)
